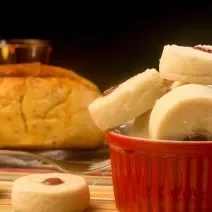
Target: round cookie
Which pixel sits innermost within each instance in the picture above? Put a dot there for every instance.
(187, 64)
(185, 113)
(50, 192)
(128, 100)
(177, 84)
(140, 127)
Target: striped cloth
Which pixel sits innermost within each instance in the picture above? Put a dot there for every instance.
(101, 189)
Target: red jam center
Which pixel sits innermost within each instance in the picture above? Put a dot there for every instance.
(53, 181)
(110, 90)
(201, 48)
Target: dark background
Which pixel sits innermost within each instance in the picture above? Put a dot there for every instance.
(109, 43)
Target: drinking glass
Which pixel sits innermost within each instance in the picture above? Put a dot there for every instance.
(25, 51)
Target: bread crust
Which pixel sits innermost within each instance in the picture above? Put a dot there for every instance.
(43, 71)
(46, 107)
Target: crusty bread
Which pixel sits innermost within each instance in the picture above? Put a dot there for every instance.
(186, 64)
(44, 106)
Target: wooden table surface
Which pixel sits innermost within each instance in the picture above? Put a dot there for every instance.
(101, 189)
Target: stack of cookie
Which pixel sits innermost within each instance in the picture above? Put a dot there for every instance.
(172, 104)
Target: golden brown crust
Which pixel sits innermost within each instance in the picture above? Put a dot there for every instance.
(43, 71)
(43, 112)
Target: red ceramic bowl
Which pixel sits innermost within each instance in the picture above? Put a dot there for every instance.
(161, 176)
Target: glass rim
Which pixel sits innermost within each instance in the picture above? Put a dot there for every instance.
(24, 43)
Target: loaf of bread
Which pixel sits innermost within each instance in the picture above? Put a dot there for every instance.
(46, 107)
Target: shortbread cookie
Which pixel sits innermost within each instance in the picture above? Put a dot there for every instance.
(50, 192)
(187, 64)
(128, 100)
(185, 113)
(177, 84)
(140, 126)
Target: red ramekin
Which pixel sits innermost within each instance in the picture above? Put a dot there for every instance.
(161, 176)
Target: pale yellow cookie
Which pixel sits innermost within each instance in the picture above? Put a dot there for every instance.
(130, 99)
(140, 127)
(50, 192)
(185, 113)
(186, 64)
